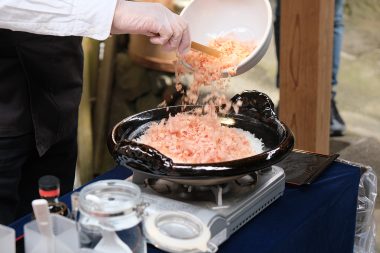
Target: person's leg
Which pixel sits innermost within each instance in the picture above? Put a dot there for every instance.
(14, 152)
(338, 39)
(337, 125)
(59, 160)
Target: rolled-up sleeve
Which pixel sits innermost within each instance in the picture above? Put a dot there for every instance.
(88, 18)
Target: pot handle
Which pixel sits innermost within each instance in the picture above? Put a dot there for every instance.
(145, 158)
(255, 102)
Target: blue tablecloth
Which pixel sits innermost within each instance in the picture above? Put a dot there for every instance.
(316, 218)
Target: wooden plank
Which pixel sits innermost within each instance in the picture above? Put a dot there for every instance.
(94, 66)
(85, 139)
(305, 71)
(102, 105)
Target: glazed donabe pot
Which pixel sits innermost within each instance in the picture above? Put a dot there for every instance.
(256, 115)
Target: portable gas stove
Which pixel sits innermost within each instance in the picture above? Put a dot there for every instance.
(223, 208)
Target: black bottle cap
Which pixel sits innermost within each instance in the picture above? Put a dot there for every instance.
(48, 183)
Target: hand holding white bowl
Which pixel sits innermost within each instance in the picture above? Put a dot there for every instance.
(154, 20)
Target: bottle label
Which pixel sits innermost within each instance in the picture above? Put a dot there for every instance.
(49, 194)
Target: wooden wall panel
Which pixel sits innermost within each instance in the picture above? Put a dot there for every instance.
(305, 71)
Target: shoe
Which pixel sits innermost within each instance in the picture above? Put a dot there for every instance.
(337, 125)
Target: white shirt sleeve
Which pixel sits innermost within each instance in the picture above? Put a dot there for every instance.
(88, 18)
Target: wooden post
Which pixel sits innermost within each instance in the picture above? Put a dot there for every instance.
(305, 71)
(103, 95)
(85, 140)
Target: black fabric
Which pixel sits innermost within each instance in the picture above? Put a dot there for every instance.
(40, 86)
(14, 98)
(316, 218)
(40, 90)
(21, 166)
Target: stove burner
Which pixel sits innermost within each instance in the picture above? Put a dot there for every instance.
(213, 193)
(248, 180)
(161, 186)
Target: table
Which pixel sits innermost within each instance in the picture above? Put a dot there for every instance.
(316, 218)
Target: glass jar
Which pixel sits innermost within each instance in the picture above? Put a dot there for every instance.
(110, 215)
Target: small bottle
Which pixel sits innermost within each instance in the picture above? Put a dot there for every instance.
(49, 189)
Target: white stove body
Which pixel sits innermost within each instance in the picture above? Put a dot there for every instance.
(233, 211)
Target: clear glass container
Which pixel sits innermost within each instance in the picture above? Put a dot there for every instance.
(109, 218)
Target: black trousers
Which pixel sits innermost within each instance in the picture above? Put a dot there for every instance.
(21, 167)
(40, 90)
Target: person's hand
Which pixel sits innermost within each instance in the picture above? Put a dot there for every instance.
(153, 20)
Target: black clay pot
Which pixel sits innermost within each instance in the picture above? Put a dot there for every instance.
(256, 115)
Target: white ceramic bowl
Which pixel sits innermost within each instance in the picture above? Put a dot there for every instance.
(248, 19)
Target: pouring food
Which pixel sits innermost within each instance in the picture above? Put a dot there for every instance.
(255, 116)
(244, 20)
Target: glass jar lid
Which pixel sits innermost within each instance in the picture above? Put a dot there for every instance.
(109, 198)
(177, 232)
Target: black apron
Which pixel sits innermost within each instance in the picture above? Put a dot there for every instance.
(40, 86)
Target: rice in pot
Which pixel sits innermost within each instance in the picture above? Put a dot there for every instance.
(190, 138)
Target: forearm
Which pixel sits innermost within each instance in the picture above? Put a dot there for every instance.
(89, 18)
